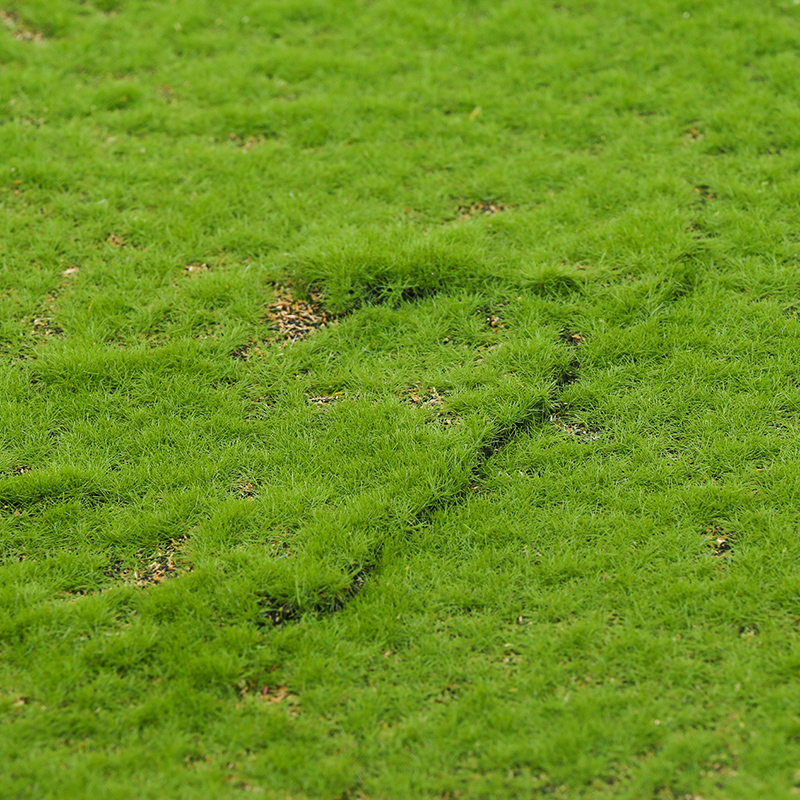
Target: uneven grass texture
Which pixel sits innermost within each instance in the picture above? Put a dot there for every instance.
(399, 399)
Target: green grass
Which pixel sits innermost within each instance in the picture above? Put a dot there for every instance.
(526, 515)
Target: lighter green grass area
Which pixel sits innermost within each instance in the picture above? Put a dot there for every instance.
(575, 573)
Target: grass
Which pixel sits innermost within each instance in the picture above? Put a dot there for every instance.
(516, 515)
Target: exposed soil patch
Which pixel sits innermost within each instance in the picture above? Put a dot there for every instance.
(559, 416)
(157, 568)
(326, 399)
(704, 193)
(45, 326)
(423, 397)
(271, 693)
(494, 322)
(247, 489)
(245, 351)
(18, 29)
(719, 540)
(296, 318)
(42, 324)
(428, 397)
(492, 317)
(246, 143)
(485, 208)
(116, 240)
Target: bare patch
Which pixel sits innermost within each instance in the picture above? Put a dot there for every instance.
(704, 194)
(429, 398)
(247, 490)
(492, 317)
(719, 540)
(297, 319)
(196, 268)
(116, 240)
(161, 566)
(42, 323)
(247, 143)
(423, 397)
(326, 399)
(18, 29)
(248, 350)
(271, 693)
(480, 208)
(494, 322)
(559, 416)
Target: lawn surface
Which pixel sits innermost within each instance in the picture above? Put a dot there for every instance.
(399, 399)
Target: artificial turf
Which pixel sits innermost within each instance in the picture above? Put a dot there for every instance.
(399, 399)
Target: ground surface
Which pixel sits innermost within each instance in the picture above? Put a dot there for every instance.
(399, 399)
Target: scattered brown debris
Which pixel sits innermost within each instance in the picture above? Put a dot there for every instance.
(159, 567)
(247, 490)
(704, 192)
(248, 350)
(18, 30)
(480, 208)
(195, 268)
(42, 322)
(246, 144)
(693, 134)
(719, 540)
(116, 240)
(494, 322)
(274, 694)
(572, 337)
(44, 326)
(423, 397)
(577, 429)
(243, 353)
(326, 399)
(429, 397)
(298, 319)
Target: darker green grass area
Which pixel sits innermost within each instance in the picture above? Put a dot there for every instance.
(399, 400)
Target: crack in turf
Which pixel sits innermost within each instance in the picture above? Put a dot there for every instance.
(277, 612)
